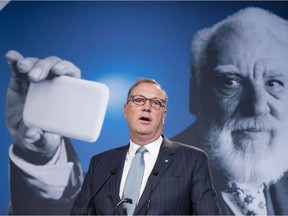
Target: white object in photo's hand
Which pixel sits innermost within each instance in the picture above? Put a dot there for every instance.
(67, 106)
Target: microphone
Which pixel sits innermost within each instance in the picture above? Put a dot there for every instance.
(155, 173)
(112, 173)
(126, 200)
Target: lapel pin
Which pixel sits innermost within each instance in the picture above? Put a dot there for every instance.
(166, 160)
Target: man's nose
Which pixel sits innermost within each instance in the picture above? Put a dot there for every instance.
(147, 106)
(256, 101)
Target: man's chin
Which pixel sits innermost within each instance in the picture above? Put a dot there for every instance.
(246, 158)
(252, 165)
(251, 140)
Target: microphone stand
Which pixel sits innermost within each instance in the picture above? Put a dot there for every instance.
(126, 200)
(112, 172)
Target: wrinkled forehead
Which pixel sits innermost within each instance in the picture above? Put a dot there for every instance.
(236, 42)
(250, 35)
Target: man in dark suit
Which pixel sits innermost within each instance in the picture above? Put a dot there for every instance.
(176, 179)
(240, 98)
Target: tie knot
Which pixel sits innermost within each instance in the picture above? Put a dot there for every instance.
(141, 150)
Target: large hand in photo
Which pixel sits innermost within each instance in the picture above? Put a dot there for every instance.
(26, 70)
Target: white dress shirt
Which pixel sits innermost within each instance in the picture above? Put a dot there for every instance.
(150, 158)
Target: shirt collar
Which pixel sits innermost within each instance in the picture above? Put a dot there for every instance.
(153, 147)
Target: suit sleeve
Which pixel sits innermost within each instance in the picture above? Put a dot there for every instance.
(203, 195)
(34, 193)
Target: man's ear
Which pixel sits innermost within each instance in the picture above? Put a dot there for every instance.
(125, 109)
(194, 97)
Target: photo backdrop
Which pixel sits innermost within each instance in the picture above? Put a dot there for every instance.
(114, 43)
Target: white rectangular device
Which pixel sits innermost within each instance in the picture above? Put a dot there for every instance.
(67, 106)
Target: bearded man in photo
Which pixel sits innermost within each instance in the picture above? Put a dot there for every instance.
(239, 94)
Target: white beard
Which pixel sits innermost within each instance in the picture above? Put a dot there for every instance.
(246, 161)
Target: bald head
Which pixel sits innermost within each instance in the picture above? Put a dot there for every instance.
(248, 26)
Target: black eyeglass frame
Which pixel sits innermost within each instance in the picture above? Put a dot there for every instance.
(162, 103)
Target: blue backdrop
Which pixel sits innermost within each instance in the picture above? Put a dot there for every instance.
(114, 43)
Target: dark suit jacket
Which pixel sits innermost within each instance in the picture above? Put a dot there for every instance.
(276, 194)
(183, 185)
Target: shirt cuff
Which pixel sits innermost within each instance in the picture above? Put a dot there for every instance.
(51, 179)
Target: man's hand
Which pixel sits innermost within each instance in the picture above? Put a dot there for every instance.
(30, 140)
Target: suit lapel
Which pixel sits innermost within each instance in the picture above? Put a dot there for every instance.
(118, 163)
(165, 158)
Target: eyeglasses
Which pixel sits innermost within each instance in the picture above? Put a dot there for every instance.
(140, 100)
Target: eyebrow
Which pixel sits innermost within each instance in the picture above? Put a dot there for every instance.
(153, 98)
(226, 69)
(233, 70)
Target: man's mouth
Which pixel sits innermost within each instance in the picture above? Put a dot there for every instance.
(250, 132)
(145, 119)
